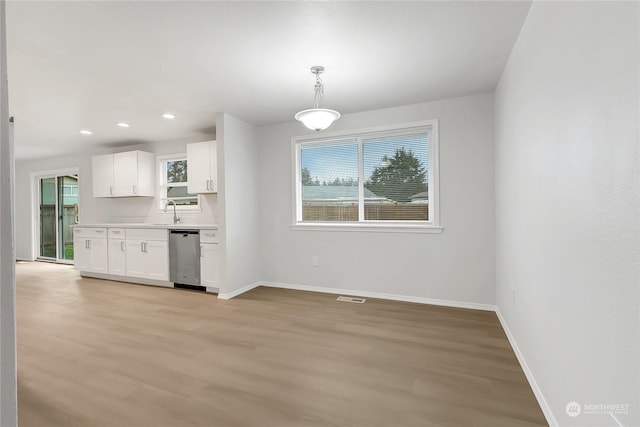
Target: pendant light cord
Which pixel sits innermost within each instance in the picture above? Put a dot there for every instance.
(318, 88)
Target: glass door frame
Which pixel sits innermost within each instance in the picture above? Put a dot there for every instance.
(36, 178)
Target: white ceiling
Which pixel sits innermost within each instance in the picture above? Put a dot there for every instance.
(87, 65)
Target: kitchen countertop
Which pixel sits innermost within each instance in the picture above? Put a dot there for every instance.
(148, 225)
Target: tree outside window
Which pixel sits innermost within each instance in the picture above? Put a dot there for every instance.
(174, 183)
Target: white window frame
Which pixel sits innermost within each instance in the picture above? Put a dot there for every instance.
(162, 185)
(330, 138)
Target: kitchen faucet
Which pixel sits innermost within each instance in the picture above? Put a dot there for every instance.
(175, 215)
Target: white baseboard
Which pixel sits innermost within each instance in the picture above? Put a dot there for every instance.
(392, 297)
(127, 279)
(242, 290)
(546, 409)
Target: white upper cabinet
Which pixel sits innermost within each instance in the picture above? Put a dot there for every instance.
(102, 172)
(202, 176)
(127, 174)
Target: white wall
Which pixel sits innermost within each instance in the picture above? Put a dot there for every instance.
(99, 210)
(8, 378)
(402, 264)
(567, 205)
(238, 189)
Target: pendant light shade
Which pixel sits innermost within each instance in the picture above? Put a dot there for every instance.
(317, 118)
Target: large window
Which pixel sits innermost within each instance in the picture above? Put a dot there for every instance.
(382, 177)
(173, 183)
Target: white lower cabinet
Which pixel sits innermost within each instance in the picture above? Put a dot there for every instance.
(117, 252)
(136, 259)
(90, 249)
(157, 254)
(147, 254)
(140, 253)
(209, 270)
(209, 259)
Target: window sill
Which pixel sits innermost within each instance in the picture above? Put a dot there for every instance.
(373, 227)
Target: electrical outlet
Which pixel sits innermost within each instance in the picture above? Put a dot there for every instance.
(314, 261)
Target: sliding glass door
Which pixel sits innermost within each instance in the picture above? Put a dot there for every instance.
(58, 200)
(48, 216)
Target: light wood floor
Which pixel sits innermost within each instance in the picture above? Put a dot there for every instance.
(101, 353)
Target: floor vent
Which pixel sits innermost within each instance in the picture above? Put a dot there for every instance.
(352, 299)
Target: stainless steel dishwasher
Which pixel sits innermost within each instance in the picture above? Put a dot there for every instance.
(184, 259)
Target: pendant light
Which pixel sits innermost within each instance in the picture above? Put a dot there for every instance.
(317, 118)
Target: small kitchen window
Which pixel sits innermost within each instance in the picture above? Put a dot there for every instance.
(173, 183)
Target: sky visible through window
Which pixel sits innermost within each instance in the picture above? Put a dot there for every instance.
(328, 162)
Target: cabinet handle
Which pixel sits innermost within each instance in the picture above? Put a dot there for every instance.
(88, 244)
(135, 190)
(122, 246)
(146, 247)
(207, 185)
(110, 190)
(141, 246)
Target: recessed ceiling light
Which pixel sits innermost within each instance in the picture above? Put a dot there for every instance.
(123, 125)
(86, 132)
(168, 116)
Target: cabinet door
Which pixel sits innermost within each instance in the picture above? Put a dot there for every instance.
(209, 265)
(146, 177)
(102, 174)
(213, 168)
(81, 254)
(199, 167)
(98, 254)
(136, 260)
(117, 257)
(125, 167)
(157, 260)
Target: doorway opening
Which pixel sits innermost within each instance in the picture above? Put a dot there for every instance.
(58, 203)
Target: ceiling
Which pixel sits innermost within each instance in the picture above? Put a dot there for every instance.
(87, 65)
